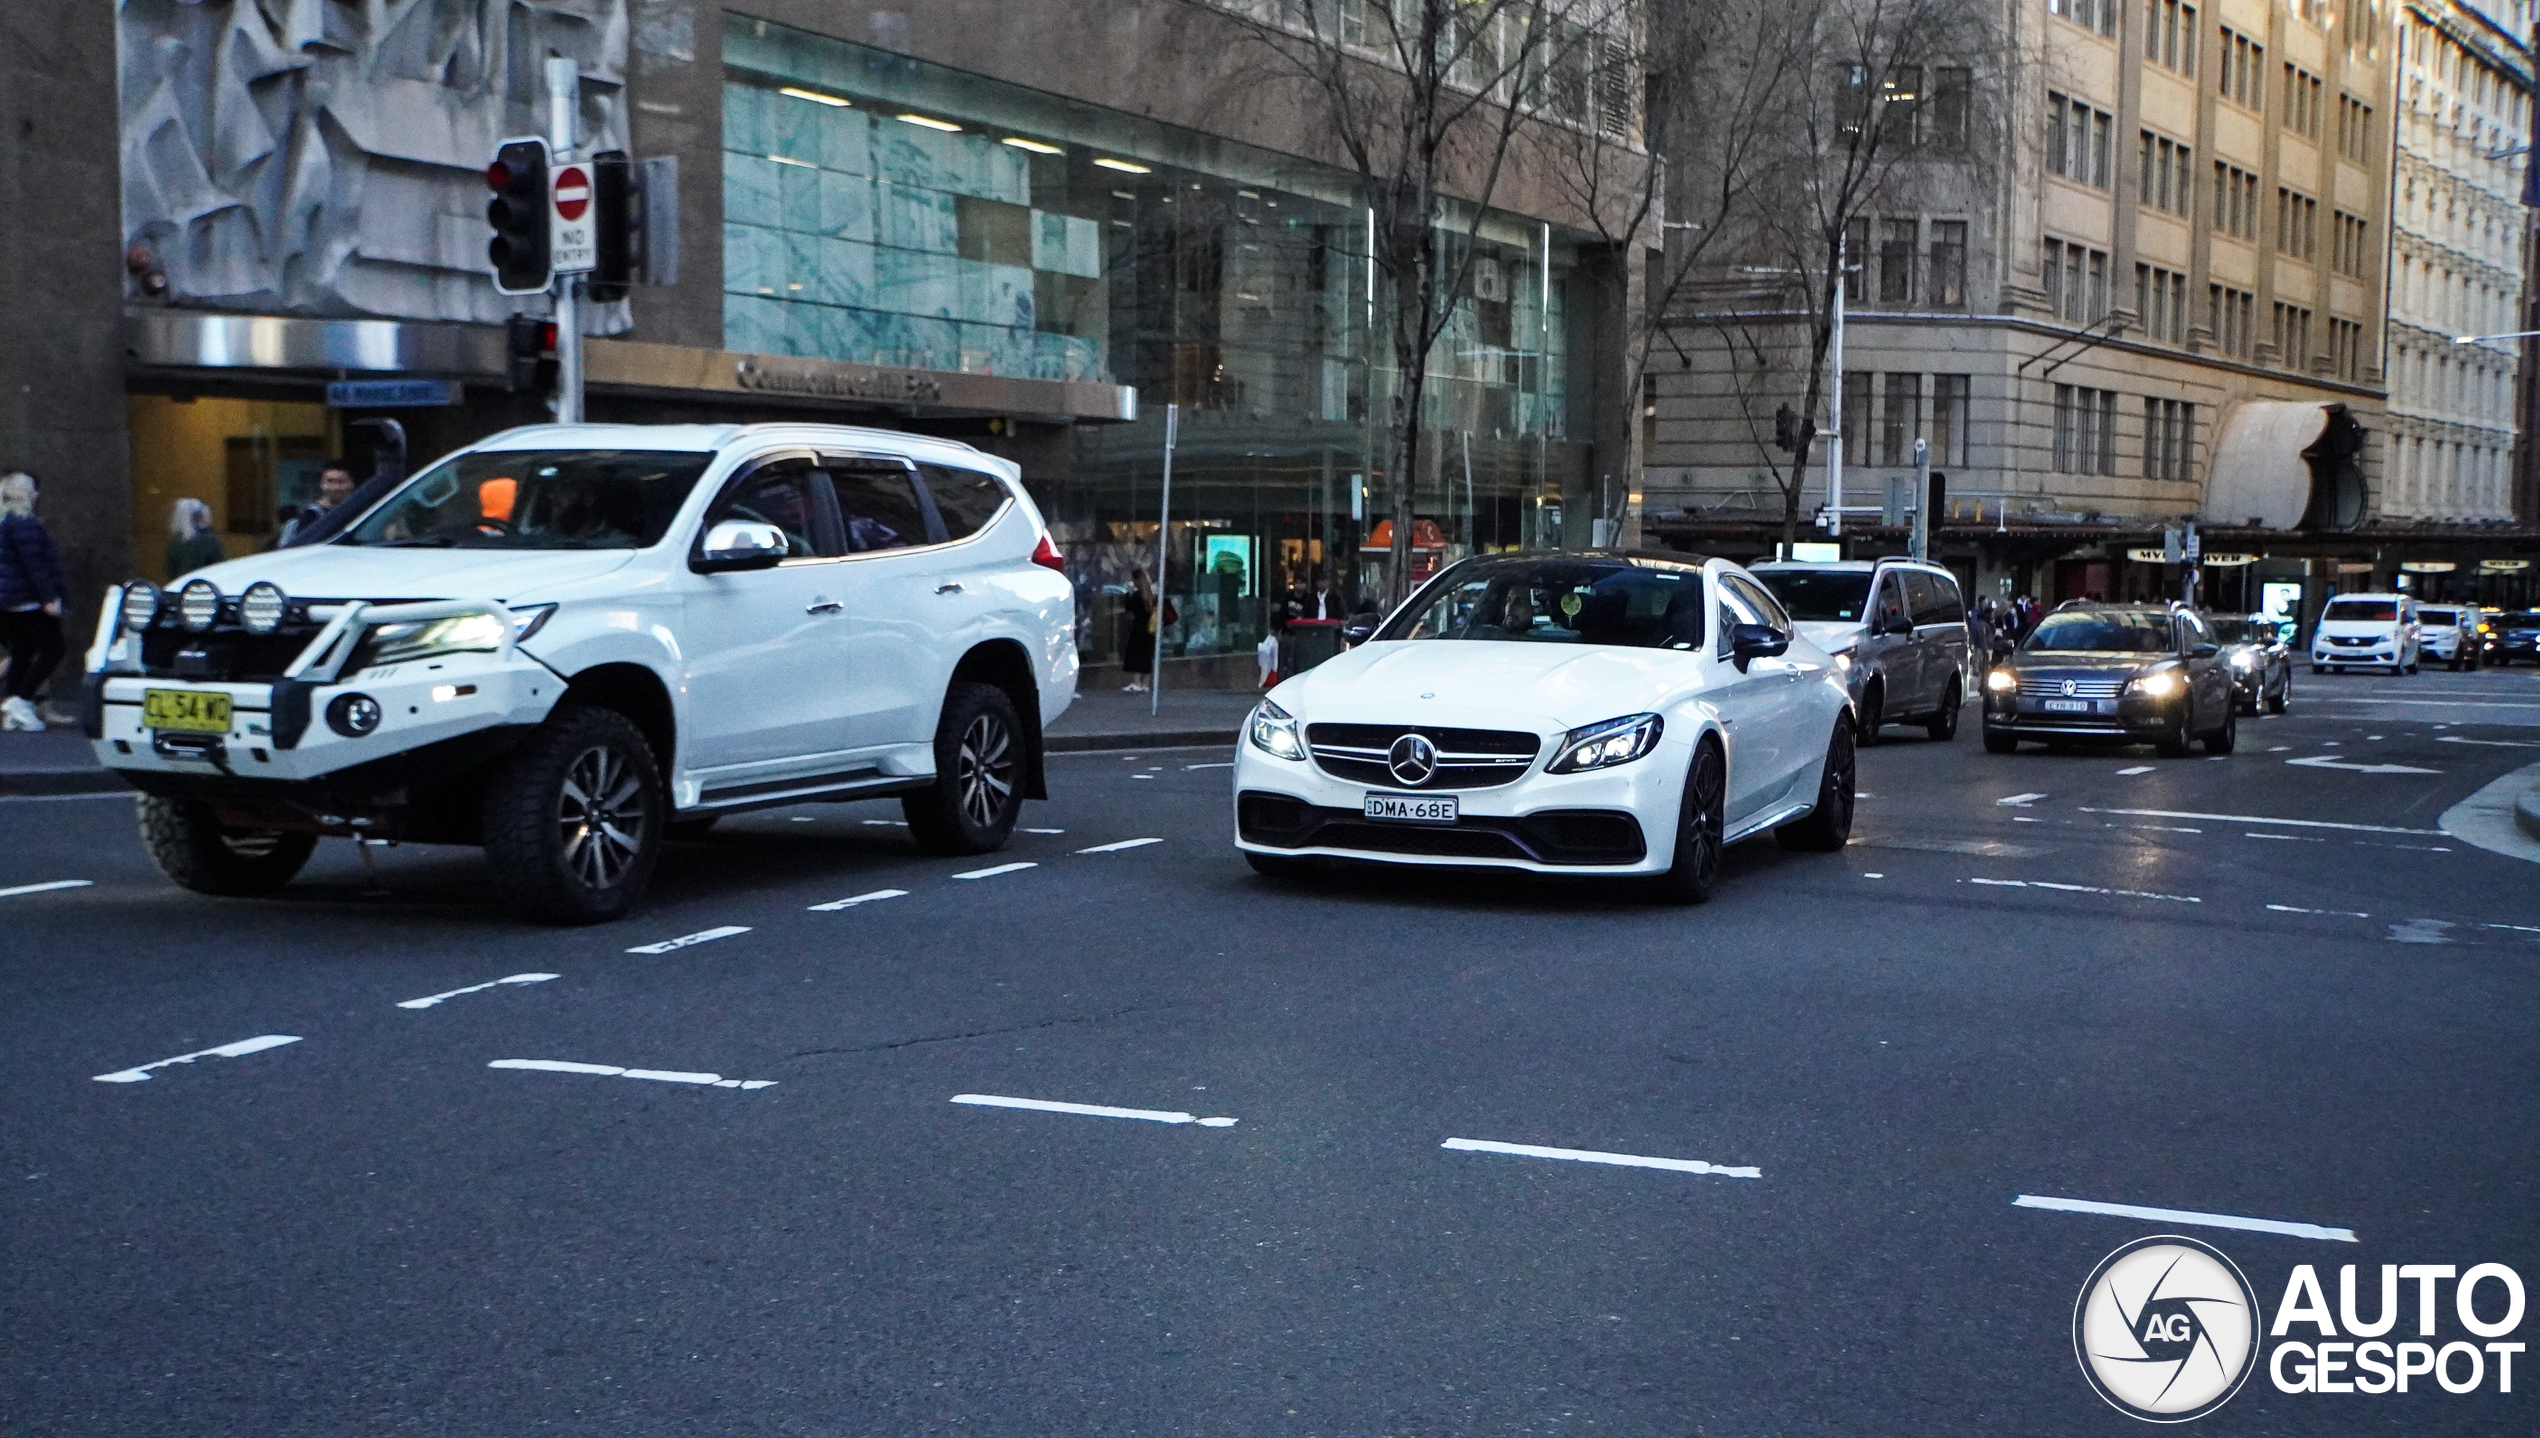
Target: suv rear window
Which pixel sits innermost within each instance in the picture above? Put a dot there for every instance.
(2361, 611)
(965, 498)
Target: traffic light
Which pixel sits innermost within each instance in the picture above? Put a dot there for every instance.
(518, 213)
(529, 345)
(1786, 430)
(613, 200)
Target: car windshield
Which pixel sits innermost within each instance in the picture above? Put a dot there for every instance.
(2438, 618)
(2361, 611)
(1631, 603)
(2528, 619)
(2231, 631)
(2104, 631)
(536, 499)
(1818, 595)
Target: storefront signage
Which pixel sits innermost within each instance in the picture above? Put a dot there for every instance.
(2211, 561)
(2429, 566)
(2503, 566)
(390, 393)
(888, 386)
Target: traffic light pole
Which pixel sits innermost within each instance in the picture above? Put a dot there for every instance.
(564, 103)
(1834, 404)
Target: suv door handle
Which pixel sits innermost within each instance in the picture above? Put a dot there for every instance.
(949, 586)
(823, 606)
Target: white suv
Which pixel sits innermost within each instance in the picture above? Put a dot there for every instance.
(2366, 629)
(566, 643)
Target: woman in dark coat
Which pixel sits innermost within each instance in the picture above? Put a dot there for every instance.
(31, 590)
(1137, 634)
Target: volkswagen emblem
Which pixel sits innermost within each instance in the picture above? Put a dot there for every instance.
(1412, 759)
(2070, 688)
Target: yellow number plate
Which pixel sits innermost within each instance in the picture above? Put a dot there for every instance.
(191, 710)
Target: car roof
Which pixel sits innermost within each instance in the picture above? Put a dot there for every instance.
(1852, 566)
(2375, 594)
(723, 436)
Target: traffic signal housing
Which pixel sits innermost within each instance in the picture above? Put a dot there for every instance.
(518, 214)
(529, 345)
(615, 197)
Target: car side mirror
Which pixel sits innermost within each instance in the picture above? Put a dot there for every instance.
(738, 544)
(2204, 651)
(1896, 624)
(1755, 641)
(1356, 631)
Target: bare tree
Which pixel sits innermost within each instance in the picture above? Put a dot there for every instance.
(1427, 101)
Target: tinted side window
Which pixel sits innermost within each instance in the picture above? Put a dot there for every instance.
(878, 505)
(792, 495)
(1761, 600)
(1918, 596)
(1946, 606)
(1891, 599)
(965, 498)
(1735, 608)
(2192, 631)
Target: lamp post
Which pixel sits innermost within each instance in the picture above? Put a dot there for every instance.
(1834, 382)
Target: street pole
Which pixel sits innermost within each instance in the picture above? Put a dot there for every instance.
(564, 101)
(1834, 405)
(1163, 543)
(1921, 545)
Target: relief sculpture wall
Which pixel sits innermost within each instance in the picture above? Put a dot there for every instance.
(327, 157)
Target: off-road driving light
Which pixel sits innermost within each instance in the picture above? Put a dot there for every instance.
(1599, 746)
(352, 715)
(262, 607)
(2155, 686)
(2001, 681)
(198, 603)
(141, 601)
(1274, 732)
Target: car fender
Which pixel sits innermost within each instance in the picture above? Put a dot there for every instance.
(585, 636)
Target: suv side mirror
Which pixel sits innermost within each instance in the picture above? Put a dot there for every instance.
(2204, 651)
(1895, 624)
(1755, 641)
(740, 544)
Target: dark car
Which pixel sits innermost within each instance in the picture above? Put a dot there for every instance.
(2516, 638)
(2260, 661)
(2114, 674)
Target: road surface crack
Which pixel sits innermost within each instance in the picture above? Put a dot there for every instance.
(1050, 1023)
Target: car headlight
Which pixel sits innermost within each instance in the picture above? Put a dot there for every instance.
(1601, 746)
(1273, 731)
(141, 600)
(2160, 685)
(261, 608)
(424, 638)
(528, 619)
(2243, 659)
(2001, 681)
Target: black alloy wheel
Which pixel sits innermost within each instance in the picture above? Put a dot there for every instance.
(2221, 740)
(1873, 712)
(2175, 743)
(2283, 697)
(574, 817)
(1828, 826)
(1699, 829)
(977, 795)
(186, 839)
(1944, 725)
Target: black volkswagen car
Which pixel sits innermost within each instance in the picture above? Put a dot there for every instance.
(2516, 639)
(2114, 674)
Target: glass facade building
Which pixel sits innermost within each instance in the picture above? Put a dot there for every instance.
(885, 210)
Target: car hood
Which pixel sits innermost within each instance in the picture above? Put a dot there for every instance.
(1831, 635)
(343, 571)
(1483, 683)
(2081, 663)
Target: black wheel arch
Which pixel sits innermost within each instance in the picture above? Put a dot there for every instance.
(1004, 664)
(640, 695)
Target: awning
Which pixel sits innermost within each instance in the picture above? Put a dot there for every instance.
(2286, 464)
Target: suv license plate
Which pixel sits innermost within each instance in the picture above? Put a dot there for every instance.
(191, 711)
(1412, 808)
(2067, 706)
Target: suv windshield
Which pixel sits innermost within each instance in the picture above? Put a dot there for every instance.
(1818, 595)
(2438, 618)
(537, 499)
(2108, 631)
(2232, 631)
(2361, 611)
(1632, 603)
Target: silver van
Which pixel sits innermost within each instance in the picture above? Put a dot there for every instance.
(1899, 624)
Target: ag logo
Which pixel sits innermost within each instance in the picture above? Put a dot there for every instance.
(2166, 1329)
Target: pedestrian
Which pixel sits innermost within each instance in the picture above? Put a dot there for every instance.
(31, 591)
(335, 485)
(1137, 632)
(191, 543)
(1265, 656)
(1980, 627)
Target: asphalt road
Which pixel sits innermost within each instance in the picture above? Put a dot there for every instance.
(375, 1230)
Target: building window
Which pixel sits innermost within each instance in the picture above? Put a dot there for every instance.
(2078, 139)
(2234, 317)
(1944, 115)
(2085, 430)
(2302, 101)
(2076, 282)
(1896, 262)
(1949, 418)
(1856, 416)
(1945, 268)
(2351, 249)
(2160, 301)
(2169, 35)
(2235, 201)
(1900, 418)
(2243, 78)
(2169, 175)
(2346, 349)
(2169, 439)
(2297, 219)
(2354, 129)
(2097, 16)
(2292, 336)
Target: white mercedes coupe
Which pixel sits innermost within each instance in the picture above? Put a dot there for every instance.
(1610, 714)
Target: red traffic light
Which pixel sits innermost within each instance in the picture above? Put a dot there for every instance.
(498, 177)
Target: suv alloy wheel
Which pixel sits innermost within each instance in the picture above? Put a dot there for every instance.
(978, 790)
(573, 818)
(1698, 833)
(193, 848)
(1828, 826)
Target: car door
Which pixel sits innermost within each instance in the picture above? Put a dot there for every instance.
(969, 507)
(765, 649)
(1891, 647)
(1940, 633)
(1757, 706)
(2208, 674)
(897, 659)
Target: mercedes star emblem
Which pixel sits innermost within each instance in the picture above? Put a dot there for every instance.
(1412, 759)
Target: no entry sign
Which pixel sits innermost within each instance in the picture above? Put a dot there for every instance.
(572, 238)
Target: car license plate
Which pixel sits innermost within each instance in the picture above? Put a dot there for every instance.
(1412, 808)
(2067, 706)
(193, 711)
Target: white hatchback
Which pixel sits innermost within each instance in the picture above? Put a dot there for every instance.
(565, 643)
(2359, 630)
(1613, 714)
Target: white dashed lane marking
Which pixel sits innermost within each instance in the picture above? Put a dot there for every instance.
(2180, 1215)
(702, 1080)
(1045, 831)
(46, 887)
(240, 1049)
(2137, 769)
(2260, 819)
(429, 1000)
(1116, 848)
(1089, 1110)
(1589, 1155)
(2019, 801)
(2336, 913)
(991, 873)
(2082, 889)
(834, 905)
(684, 940)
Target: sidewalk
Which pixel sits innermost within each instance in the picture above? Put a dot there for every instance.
(58, 761)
